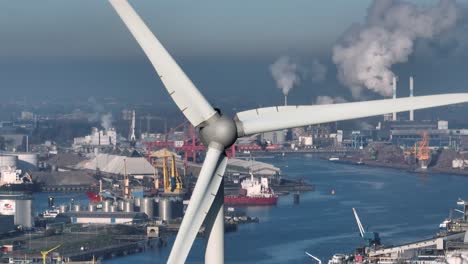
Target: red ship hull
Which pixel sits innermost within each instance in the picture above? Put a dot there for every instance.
(245, 200)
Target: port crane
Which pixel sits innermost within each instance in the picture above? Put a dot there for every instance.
(372, 239)
(44, 253)
(172, 182)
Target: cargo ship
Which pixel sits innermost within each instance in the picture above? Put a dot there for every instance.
(253, 192)
(14, 180)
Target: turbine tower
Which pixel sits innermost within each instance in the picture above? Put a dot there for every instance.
(218, 132)
(394, 116)
(411, 89)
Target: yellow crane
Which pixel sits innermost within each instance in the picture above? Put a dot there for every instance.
(172, 182)
(46, 252)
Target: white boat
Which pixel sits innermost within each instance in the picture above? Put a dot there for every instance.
(333, 158)
(338, 259)
(51, 213)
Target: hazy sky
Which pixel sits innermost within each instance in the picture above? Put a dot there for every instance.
(78, 49)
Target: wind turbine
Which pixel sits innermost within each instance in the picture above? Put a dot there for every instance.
(219, 132)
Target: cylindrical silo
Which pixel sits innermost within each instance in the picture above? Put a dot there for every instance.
(76, 208)
(8, 161)
(121, 205)
(91, 208)
(165, 209)
(63, 208)
(177, 208)
(106, 206)
(112, 209)
(27, 161)
(147, 207)
(137, 202)
(129, 207)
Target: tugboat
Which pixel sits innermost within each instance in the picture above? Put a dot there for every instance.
(253, 192)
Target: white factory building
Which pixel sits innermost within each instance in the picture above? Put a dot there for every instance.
(97, 138)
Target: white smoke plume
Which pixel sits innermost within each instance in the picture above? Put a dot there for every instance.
(285, 73)
(366, 53)
(106, 121)
(365, 125)
(318, 71)
(321, 100)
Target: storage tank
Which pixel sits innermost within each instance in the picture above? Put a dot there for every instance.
(121, 205)
(91, 208)
(106, 206)
(137, 202)
(8, 160)
(112, 209)
(177, 208)
(165, 209)
(18, 205)
(24, 213)
(76, 208)
(147, 207)
(129, 207)
(27, 161)
(63, 208)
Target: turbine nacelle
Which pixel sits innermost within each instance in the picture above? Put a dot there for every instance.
(219, 130)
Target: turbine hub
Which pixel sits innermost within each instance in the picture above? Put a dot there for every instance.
(219, 129)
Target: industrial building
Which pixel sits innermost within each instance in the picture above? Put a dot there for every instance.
(408, 133)
(251, 166)
(96, 138)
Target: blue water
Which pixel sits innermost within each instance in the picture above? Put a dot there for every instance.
(401, 206)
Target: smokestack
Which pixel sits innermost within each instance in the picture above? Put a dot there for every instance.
(394, 96)
(411, 89)
(285, 100)
(132, 127)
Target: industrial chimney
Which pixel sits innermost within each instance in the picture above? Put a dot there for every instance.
(411, 113)
(394, 96)
(132, 127)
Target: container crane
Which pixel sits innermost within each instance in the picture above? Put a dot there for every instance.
(372, 239)
(46, 252)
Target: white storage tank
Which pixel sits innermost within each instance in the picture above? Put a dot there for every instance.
(91, 207)
(27, 161)
(63, 208)
(106, 206)
(8, 161)
(77, 208)
(165, 209)
(129, 206)
(147, 207)
(20, 206)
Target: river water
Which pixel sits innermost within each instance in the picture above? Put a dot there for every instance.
(401, 206)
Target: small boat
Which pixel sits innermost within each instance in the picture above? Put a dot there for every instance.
(333, 158)
(51, 213)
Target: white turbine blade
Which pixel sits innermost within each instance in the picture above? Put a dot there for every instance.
(282, 117)
(209, 180)
(184, 93)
